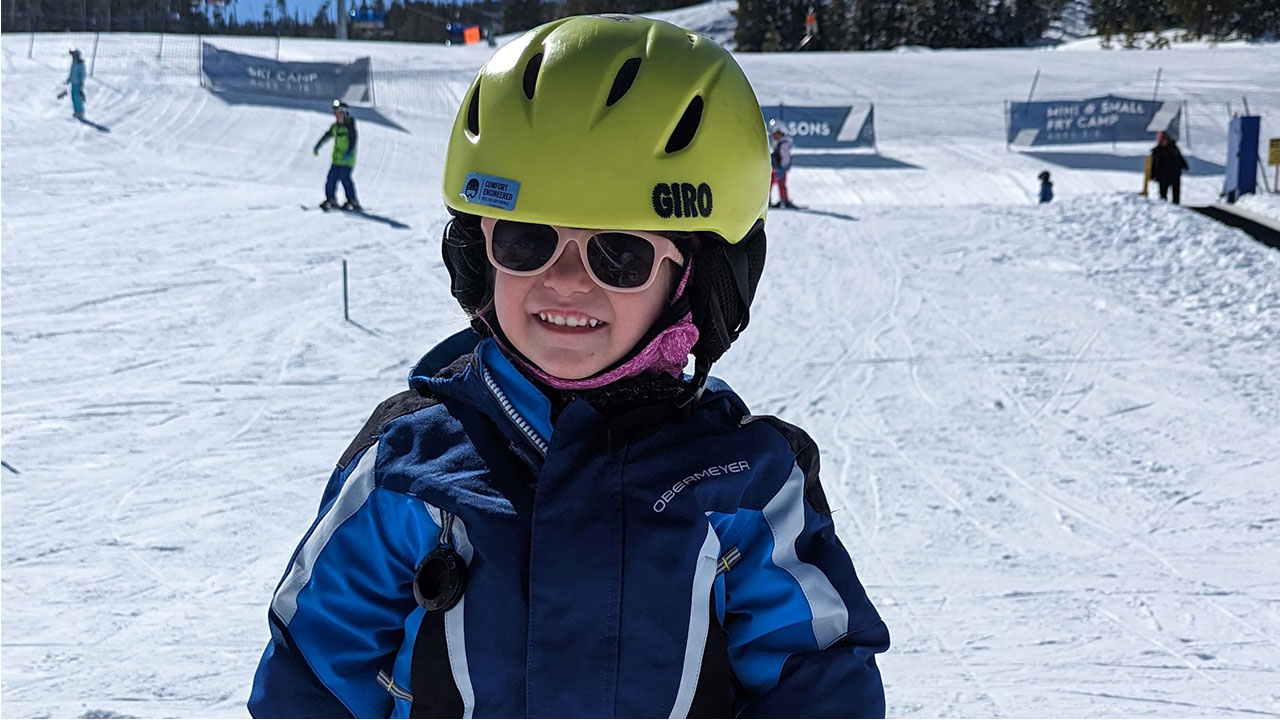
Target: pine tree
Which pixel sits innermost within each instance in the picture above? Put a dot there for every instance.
(520, 15)
(748, 36)
(833, 25)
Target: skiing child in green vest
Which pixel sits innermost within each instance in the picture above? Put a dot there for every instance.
(343, 132)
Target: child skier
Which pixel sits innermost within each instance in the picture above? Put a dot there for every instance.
(1046, 187)
(780, 160)
(343, 132)
(554, 521)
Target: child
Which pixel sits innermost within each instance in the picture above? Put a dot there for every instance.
(343, 132)
(1167, 164)
(553, 521)
(1046, 188)
(780, 161)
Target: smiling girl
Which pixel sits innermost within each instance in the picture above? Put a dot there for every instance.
(554, 520)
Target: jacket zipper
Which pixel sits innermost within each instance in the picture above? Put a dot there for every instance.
(510, 410)
(389, 684)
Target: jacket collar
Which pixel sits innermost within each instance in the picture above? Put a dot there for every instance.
(446, 369)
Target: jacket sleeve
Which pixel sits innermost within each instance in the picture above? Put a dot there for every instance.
(351, 133)
(338, 615)
(323, 138)
(784, 154)
(802, 633)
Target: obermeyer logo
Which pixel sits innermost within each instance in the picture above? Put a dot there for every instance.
(682, 200)
(713, 471)
(492, 191)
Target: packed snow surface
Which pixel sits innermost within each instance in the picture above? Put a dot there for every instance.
(1049, 432)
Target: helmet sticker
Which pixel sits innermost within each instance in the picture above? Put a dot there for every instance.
(682, 200)
(615, 18)
(489, 190)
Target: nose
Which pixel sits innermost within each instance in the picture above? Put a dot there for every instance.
(567, 275)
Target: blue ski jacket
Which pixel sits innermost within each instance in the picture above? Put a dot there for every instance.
(75, 77)
(680, 569)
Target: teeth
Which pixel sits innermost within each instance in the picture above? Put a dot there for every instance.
(568, 321)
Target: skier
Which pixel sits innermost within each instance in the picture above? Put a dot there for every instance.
(343, 132)
(780, 159)
(75, 78)
(1167, 165)
(1046, 188)
(555, 521)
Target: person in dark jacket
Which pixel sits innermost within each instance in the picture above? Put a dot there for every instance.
(554, 520)
(1167, 165)
(1046, 188)
(343, 132)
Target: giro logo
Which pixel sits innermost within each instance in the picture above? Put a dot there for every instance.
(682, 200)
(714, 471)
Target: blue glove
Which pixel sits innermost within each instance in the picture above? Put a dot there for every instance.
(346, 157)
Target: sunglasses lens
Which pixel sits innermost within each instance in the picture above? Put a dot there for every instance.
(523, 247)
(621, 260)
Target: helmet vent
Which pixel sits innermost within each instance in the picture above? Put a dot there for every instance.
(473, 112)
(531, 75)
(687, 127)
(622, 82)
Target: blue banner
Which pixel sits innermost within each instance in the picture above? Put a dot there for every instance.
(825, 127)
(225, 70)
(1102, 119)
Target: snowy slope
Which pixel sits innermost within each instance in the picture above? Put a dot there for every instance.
(1049, 432)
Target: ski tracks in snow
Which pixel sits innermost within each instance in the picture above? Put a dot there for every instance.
(889, 420)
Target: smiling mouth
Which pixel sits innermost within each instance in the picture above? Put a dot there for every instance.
(570, 321)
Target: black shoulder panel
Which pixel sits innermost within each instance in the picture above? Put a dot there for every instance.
(806, 451)
(397, 405)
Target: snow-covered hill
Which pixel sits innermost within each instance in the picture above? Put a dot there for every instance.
(1049, 431)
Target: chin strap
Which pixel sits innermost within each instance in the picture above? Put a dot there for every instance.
(701, 371)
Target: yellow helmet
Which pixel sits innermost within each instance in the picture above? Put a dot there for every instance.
(611, 122)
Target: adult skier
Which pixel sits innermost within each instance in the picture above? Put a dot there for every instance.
(75, 78)
(343, 132)
(554, 520)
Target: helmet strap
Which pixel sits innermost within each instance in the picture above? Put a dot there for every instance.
(701, 371)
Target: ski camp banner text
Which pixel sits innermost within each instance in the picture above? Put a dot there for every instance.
(1103, 119)
(228, 71)
(825, 127)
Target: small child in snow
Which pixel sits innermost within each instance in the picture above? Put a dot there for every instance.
(554, 520)
(343, 162)
(1046, 188)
